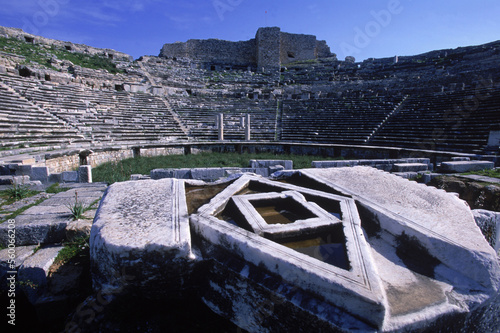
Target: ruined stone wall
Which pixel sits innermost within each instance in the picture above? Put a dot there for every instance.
(322, 49)
(98, 158)
(297, 47)
(214, 51)
(268, 50)
(63, 163)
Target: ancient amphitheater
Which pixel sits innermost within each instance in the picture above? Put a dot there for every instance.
(400, 269)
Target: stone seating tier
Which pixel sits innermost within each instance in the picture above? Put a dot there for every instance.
(105, 115)
(458, 121)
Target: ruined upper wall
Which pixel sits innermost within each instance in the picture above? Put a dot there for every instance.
(213, 51)
(269, 50)
(297, 47)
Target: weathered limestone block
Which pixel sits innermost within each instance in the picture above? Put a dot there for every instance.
(441, 222)
(37, 228)
(170, 173)
(410, 167)
(466, 166)
(333, 164)
(489, 223)
(40, 173)
(70, 176)
(20, 253)
(287, 164)
(14, 180)
(78, 229)
(33, 273)
(85, 174)
(140, 239)
(356, 291)
(208, 174)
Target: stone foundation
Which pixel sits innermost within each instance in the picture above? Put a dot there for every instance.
(326, 249)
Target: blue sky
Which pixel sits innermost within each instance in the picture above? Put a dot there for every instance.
(360, 28)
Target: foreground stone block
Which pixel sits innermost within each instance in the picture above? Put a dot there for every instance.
(367, 252)
(348, 291)
(466, 166)
(140, 239)
(34, 271)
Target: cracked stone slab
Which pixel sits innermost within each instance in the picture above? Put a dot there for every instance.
(34, 271)
(20, 253)
(82, 193)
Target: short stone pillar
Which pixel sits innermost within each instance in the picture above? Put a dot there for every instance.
(220, 123)
(85, 174)
(247, 127)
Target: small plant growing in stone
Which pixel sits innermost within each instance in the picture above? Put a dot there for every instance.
(76, 248)
(77, 208)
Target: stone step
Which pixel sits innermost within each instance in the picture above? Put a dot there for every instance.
(410, 167)
(466, 166)
(33, 274)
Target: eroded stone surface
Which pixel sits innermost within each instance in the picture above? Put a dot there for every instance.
(34, 271)
(420, 238)
(140, 237)
(489, 223)
(415, 256)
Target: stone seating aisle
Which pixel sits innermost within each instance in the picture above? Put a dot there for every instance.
(346, 120)
(456, 121)
(26, 125)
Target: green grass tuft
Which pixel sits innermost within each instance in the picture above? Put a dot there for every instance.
(55, 188)
(494, 173)
(76, 248)
(16, 192)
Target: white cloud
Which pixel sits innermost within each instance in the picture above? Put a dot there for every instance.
(100, 17)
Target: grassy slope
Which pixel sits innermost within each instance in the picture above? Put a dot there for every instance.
(42, 55)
